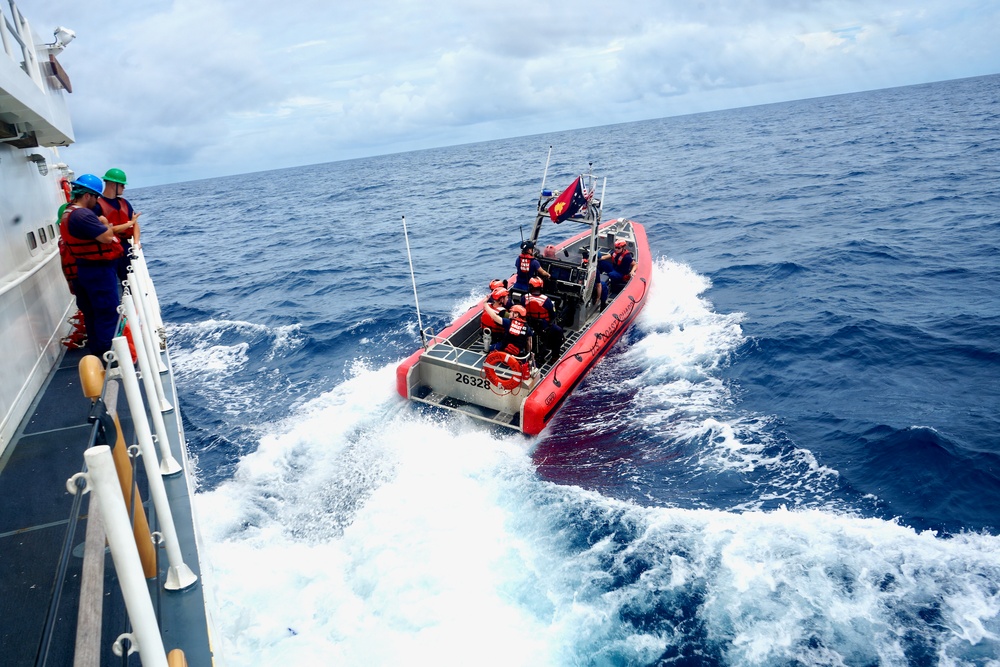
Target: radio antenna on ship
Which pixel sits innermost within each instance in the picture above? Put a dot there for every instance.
(416, 301)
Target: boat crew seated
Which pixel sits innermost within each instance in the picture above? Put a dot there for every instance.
(491, 330)
(517, 334)
(619, 267)
(541, 315)
(527, 266)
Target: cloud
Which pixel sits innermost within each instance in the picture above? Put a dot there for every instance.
(184, 89)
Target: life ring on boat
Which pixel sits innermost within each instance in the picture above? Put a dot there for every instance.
(496, 358)
(65, 188)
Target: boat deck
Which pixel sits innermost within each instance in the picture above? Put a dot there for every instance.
(46, 451)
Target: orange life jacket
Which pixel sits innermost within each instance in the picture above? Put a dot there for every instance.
(488, 322)
(118, 216)
(618, 258)
(535, 305)
(90, 250)
(523, 265)
(65, 256)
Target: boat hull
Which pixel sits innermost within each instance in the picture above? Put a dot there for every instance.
(571, 368)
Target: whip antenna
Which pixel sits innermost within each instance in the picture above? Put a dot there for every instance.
(423, 341)
(546, 172)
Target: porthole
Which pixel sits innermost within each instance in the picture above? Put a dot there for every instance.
(42, 236)
(32, 242)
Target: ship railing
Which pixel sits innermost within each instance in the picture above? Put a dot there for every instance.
(473, 359)
(115, 510)
(437, 339)
(16, 29)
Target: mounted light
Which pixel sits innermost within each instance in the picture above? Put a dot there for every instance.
(39, 160)
(63, 37)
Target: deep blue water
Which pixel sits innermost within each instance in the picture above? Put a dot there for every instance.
(792, 458)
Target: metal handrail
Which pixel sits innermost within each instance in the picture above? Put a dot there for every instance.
(30, 272)
(21, 32)
(179, 575)
(13, 29)
(103, 481)
(120, 506)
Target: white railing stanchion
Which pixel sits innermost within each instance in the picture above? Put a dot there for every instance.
(102, 480)
(179, 575)
(168, 464)
(154, 385)
(154, 301)
(149, 338)
(150, 380)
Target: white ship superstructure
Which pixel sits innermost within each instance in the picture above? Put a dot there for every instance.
(34, 298)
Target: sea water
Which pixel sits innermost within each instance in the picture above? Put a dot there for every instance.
(792, 457)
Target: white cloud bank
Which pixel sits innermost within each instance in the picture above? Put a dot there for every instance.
(184, 89)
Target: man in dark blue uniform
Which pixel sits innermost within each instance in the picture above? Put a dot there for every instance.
(517, 334)
(618, 265)
(541, 315)
(527, 266)
(96, 252)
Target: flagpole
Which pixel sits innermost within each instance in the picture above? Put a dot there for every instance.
(423, 341)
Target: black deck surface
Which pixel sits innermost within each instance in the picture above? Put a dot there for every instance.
(47, 450)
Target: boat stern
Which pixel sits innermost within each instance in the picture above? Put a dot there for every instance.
(453, 377)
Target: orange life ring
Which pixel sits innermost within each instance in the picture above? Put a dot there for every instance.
(65, 188)
(497, 357)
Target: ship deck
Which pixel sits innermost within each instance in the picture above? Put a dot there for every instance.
(47, 449)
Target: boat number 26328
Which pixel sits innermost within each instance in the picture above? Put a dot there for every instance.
(472, 381)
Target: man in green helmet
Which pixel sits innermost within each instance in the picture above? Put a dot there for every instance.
(124, 220)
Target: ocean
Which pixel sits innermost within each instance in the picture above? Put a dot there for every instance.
(791, 458)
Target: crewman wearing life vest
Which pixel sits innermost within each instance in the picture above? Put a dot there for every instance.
(527, 266)
(541, 316)
(619, 267)
(96, 251)
(65, 255)
(517, 333)
(120, 215)
(498, 301)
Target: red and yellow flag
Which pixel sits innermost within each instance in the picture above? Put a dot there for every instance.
(568, 202)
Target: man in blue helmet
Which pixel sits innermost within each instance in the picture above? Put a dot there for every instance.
(96, 252)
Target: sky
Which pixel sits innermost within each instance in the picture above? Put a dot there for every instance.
(179, 90)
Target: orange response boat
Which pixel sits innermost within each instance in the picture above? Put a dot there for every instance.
(455, 368)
